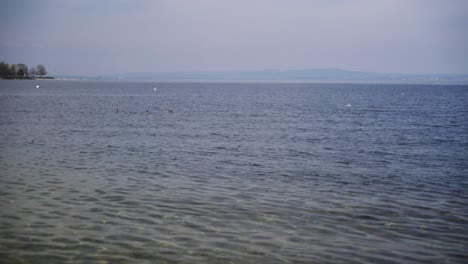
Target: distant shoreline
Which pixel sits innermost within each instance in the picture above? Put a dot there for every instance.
(351, 81)
(44, 78)
(32, 79)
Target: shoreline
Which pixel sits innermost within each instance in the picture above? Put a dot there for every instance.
(29, 79)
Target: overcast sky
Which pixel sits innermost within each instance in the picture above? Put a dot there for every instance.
(88, 37)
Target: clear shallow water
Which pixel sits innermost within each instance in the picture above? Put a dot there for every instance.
(233, 173)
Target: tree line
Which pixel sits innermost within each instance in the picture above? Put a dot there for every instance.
(21, 71)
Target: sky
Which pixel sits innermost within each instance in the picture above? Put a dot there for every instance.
(88, 37)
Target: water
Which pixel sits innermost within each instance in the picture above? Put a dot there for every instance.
(233, 173)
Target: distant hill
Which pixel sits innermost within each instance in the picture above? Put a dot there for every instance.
(312, 75)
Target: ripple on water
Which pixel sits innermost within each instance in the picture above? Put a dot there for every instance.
(235, 174)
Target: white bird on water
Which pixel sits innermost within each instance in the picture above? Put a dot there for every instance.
(348, 105)
(37, 86)
(154, 89)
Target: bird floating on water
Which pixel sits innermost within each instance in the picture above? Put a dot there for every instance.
(37, 86)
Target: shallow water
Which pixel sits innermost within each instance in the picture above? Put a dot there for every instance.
(232, 173)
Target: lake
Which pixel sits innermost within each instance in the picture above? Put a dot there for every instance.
(116, 172)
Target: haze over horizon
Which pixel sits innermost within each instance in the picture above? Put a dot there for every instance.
(109, 37)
